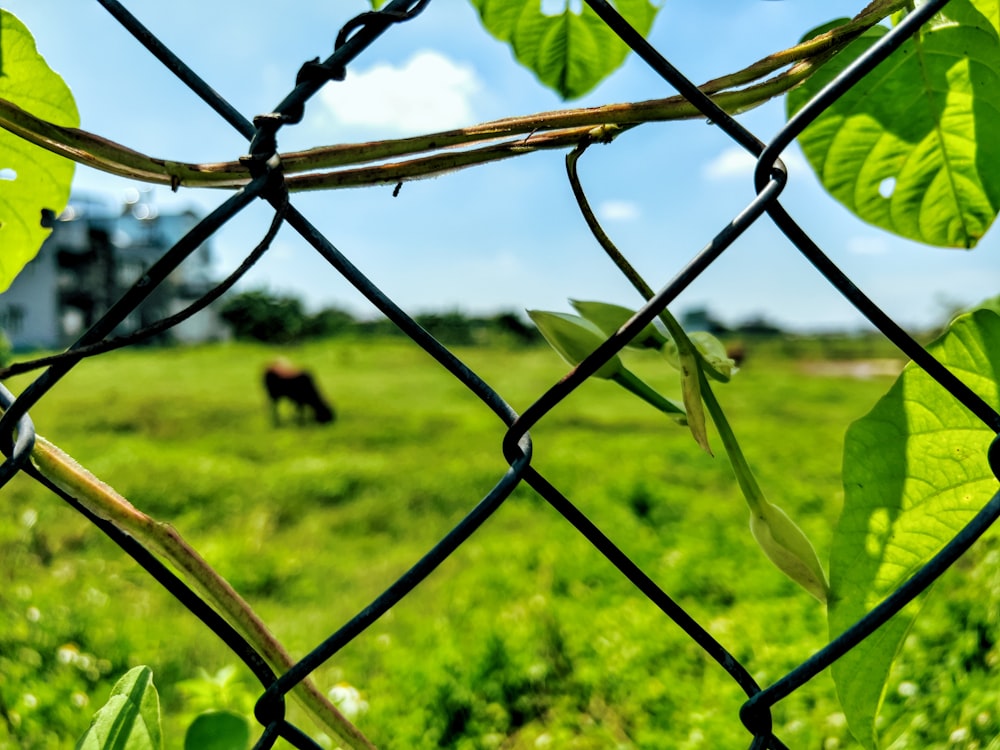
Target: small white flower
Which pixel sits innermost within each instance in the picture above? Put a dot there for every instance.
(907, 689)
(348, 700)
(836, 720)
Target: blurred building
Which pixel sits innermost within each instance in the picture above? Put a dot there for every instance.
(95, 252)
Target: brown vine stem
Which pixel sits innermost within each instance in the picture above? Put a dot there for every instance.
(162, 539)
(453, 149)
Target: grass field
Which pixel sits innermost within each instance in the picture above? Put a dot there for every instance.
(526, 637)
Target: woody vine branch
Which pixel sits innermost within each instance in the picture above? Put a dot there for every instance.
(434, 154)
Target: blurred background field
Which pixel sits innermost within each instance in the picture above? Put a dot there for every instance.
(526, 637)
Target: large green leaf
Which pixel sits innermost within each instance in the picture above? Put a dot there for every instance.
(130, 720)
(914, 148)
(34, 183)
(218, 730)
(915, 472)
(570, 52)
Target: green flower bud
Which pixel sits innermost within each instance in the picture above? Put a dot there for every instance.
(609, 318)
(574, 338)
(712, 351)
(787, 546)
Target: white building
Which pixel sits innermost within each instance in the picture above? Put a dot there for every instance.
(92, 256)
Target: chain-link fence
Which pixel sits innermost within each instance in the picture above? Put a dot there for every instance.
(269, 183)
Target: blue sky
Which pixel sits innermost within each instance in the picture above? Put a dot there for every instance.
(498, 237)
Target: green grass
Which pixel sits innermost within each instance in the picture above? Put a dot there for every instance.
(525, 636)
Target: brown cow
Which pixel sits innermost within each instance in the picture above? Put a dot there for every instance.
(737, 352)
(283, 380)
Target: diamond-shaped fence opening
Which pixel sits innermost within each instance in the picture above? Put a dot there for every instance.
(267, 182)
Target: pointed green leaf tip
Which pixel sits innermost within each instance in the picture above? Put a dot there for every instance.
(570, 52)
(130, 720)
(915, 472)
(32, 180)
(914, 147)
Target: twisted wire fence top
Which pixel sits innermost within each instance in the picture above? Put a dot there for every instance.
(268, 184)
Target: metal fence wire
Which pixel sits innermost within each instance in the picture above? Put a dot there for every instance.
(268, 184)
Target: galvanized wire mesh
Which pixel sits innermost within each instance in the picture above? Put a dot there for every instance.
(268, 184)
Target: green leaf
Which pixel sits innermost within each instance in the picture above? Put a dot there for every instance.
(914, 148)
(569, 52)
(993, 303)
(915, 472)
(574, 338)
(609, 318)
(691, 378)
(33, 182)
(218, 730)
(130, 720)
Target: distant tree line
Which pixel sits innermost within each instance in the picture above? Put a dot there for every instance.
(260, 315)
(282, 319)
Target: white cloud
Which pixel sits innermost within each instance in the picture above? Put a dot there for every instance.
(428, 92)
(867, 245)
(617, 210)
(735, 163)
(732, 163)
